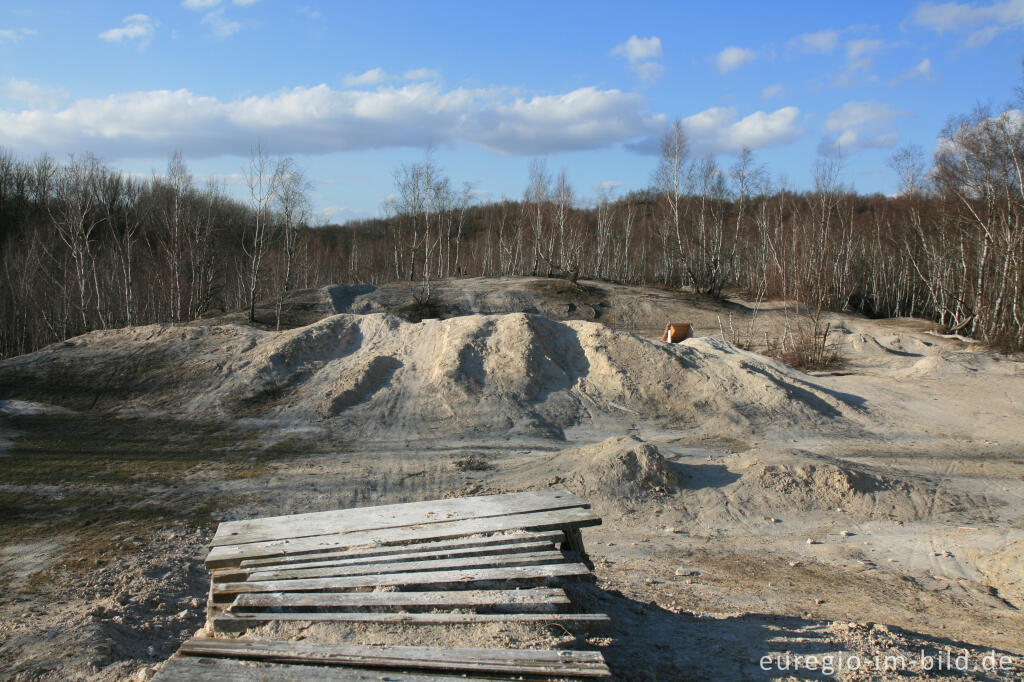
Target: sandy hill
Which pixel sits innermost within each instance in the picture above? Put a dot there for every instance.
(377, 374)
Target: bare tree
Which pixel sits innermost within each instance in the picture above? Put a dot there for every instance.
(262, 182)
(75, 220)
(537, 194)
(670, 178)
(291, 197)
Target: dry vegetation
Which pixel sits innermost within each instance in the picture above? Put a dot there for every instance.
(711, 466)
(85, 247)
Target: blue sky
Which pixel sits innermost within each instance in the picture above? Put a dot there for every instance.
(352, 90)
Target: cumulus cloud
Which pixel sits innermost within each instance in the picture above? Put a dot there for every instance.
(857, 114)
(981, 24)
(15, 35)
(733, 58)
(772, 91)
(642, 54)
(718, 131)
(207, 4)
(821, 42)
(378, 76)
(861, 125)
(220, 24)
(371, 77)
(320, 119)
(421, 75)
(608, 186)
(32, 94)
(858, 49)
(138, 27)
(638, 49)
(923, 70)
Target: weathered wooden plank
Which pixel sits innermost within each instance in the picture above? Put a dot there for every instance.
(456, 660)
(537, 598)
(222, 591)
(204, 669)
(392, 516)
(449, 564)
(239, 622)
(232, 555)
(408, 557)
(498, 542)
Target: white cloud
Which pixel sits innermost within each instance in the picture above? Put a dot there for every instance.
(221, 25)
(733, 58)
(321, 119)
(378, 76)
(981, 23)
(922, 70)
(421, 75)
(12, 35)
(857, 49)
(134, 27)
(716, 130)
(608, 186)
(861, 125)
(648, 72)
(821, 42)
(32, 94)
(642, 54)
(371, 77)
(639, 49)
(200, 5)
(857, 114)
(772, 91)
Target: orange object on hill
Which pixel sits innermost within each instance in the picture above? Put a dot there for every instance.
(676, 332)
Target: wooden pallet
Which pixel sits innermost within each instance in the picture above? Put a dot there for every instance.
(484, 559)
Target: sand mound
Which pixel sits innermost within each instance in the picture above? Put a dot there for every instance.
(375, 374)
(620, 470)
(959, 365)
(807, 481)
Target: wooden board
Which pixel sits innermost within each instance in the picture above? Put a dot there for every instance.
(226, 591)
(232, 555)
(192, 669)
(448, 564)
(454, 660)
(530, 599)
(495, 541)
(391, 516)
(436, 554)
(239, 622)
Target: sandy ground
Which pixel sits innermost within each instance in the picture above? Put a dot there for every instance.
(750, 510)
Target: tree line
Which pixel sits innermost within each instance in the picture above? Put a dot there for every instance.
(85, 247)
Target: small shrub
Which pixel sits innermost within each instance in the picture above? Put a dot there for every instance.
(472, 463)
(424, 306)
(810, 346)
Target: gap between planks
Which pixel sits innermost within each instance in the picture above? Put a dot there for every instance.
(224, 591)
(389, 559)
(232, 555)
(496, 541)
(537, 597)
(456, 660)
(239, 622)
(450, 564)
(382, 517)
